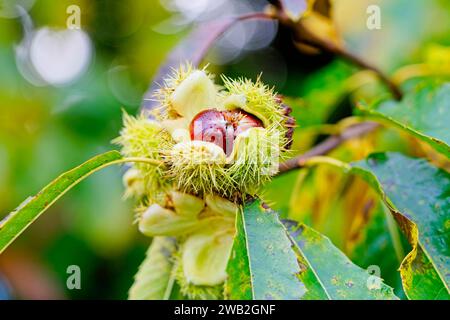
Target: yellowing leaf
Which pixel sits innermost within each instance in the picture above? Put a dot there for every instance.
(418, 195)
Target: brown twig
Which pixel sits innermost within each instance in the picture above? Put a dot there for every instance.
(342, 52)
(328, 145)
(303, 35)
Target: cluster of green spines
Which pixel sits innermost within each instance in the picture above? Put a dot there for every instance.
(201, 169)
(162, 95)
(164, 110)
(141, 137)
(202, 178)
(231, 177)
(253, 160)
(261, 101)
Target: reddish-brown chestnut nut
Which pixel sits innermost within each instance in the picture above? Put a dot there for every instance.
(222, 127)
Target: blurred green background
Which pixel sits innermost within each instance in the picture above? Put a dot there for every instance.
(48, 126)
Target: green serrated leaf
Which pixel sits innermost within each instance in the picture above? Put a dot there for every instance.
(239, 283)
(418, 195)
(262, 264)
(424, 113)
(27, 212)
(154, 279)
(332, 275)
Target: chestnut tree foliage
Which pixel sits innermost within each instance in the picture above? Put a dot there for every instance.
(226, 224)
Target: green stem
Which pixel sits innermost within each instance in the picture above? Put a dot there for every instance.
(327, 160)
